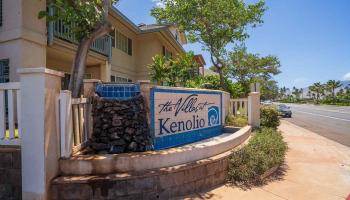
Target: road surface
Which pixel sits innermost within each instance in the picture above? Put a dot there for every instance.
(332, 122)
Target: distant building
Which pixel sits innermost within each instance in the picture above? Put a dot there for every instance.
(209, 72)
(201, 64)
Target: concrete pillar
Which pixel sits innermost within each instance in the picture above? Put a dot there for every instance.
(255, 87)
(40, 89)
(105, 71)
(254, 109)
(89, 87)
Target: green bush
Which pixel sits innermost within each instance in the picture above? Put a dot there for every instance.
(269, 117)
(265, 150)
(213, 82)
(237, 121)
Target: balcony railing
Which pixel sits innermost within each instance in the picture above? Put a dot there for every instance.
(59, 30)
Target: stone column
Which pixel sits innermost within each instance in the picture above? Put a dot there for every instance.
(254, 109)
(145, 87)
(89, 87)
(40, 89)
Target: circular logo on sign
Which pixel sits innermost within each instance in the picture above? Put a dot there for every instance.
(213, 116)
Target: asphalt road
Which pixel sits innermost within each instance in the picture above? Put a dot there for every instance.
(332, 122)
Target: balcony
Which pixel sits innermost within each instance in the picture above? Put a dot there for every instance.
(59, 30)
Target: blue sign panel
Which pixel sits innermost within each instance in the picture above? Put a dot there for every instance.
(181, 116)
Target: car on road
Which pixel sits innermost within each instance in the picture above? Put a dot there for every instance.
(266, 103)
(284, 110)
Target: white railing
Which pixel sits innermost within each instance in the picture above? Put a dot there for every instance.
(75, 122)
(10, 113)
(239, 106)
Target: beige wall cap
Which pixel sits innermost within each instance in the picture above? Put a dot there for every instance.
(92, 81)
(143, 81)
(40, 70)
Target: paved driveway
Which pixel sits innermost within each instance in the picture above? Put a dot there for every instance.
(316, 169)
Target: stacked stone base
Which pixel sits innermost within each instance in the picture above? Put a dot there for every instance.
(162, 183)
(10, 173)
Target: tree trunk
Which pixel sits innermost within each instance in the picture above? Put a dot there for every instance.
(79, 67)
(222, 78)
(79, 64)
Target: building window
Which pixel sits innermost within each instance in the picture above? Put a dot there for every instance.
(129, 46)
(176, 36)
(118, 79)
(4, 71)
(113, 79)
(120, 41)
(167, 53)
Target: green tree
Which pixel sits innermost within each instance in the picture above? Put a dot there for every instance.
(213, 23)
(247, 68)
(87, 21)
(331, 85)
(297, 92)
(318, 89)
(213, 82)
(172, 71)
(181, 69)
(269, 90)
(159, 69)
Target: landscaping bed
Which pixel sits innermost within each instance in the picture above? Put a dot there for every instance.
(257, 160)
(264, 153)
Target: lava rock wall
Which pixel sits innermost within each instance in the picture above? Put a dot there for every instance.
(119, 126)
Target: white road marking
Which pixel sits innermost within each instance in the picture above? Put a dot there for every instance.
(347, 120)
(336, 111)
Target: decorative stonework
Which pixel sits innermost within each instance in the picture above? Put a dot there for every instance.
(119, 126)
(10, 173)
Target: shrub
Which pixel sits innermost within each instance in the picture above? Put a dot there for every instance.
(269, 117)
(237, 121)
(213, 82)
(265, 150)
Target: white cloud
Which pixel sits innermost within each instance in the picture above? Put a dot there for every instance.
(347, 76)
(158, 3)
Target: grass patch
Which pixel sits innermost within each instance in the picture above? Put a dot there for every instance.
(236, 121)
(240, 120)
(265, 150)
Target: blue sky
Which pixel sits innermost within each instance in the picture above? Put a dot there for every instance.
(310, 37)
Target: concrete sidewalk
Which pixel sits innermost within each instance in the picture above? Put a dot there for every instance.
(316, 169)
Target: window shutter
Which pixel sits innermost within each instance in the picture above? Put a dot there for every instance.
(129, 46)
(112, 34)
(4, 71)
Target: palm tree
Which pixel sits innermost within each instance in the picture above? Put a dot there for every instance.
(317, 88)
(159, 69)
(297, 92)
(309, 93)
(283, 91)
(331, 85)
